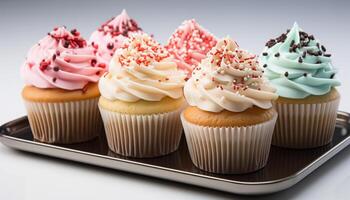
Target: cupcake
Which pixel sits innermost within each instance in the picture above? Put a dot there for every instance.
(230, 120)
(300, 68)
(189, 44)
(61, 91)
(111, 35)
(141, 100)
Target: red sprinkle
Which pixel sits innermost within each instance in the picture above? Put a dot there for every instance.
(44, 65)
(102, 65)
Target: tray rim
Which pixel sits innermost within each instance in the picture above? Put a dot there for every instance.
(278, 184)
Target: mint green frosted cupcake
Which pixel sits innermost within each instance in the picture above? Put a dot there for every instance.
(300, 68)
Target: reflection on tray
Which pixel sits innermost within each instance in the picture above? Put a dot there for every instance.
(282, 162)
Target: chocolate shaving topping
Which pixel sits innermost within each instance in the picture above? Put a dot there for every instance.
(304, 54)
(292, 43)
(286, 74)
(300, 60)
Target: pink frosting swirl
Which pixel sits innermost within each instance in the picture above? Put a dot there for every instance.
(189, 44)
(63, 60)
(111, 35)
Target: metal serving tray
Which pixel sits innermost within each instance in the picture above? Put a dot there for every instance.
(285, 167)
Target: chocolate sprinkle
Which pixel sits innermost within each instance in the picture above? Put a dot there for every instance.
(323, 48)
(318, 62)
(292, 43)
(327, 55)
(305, 74)
(304, 54)
(54, 79)
(286, 74)
(300, 60)
(277, 54)
(265, 65)
(270, 43)
(332, 76)
(264, 54)
(56, 68)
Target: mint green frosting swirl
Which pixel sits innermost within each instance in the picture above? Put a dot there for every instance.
(297, 65)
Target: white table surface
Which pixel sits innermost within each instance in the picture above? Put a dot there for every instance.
(28, 176)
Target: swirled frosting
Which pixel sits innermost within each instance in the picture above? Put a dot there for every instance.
(189, 44)
(228, 79)
(61, 60)
(111, 35)
(297, 65)
(141, 70)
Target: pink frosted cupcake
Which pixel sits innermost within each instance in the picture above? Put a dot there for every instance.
(189, 44)
(61, 93)
(111, 35)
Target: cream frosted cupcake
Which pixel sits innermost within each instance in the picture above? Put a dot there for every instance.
(299, 67)
(61, 93)
(142, 99)
(230, 121)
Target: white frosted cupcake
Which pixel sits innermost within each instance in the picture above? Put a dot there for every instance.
(230, 121)
(141, 100)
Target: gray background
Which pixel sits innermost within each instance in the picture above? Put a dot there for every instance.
(251, 23)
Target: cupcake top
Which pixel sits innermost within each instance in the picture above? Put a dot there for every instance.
(142, 70)
(63, 60)
(111, 35)
(298, 65)
(189, 45)
(229, 78)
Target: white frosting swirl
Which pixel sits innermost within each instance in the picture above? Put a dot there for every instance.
(141, 70)
(228, 79)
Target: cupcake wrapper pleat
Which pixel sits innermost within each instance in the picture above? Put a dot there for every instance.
(142, 136)
(229, 150)
(64, 122)
(305, 125)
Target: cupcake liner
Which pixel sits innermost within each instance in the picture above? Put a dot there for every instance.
(305, 125)
(229, 150)
(64, 122)
(142, 136)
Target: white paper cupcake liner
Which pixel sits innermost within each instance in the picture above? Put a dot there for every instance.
(305, 125)
(229, 150)
(142, 136)
(64, 122)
